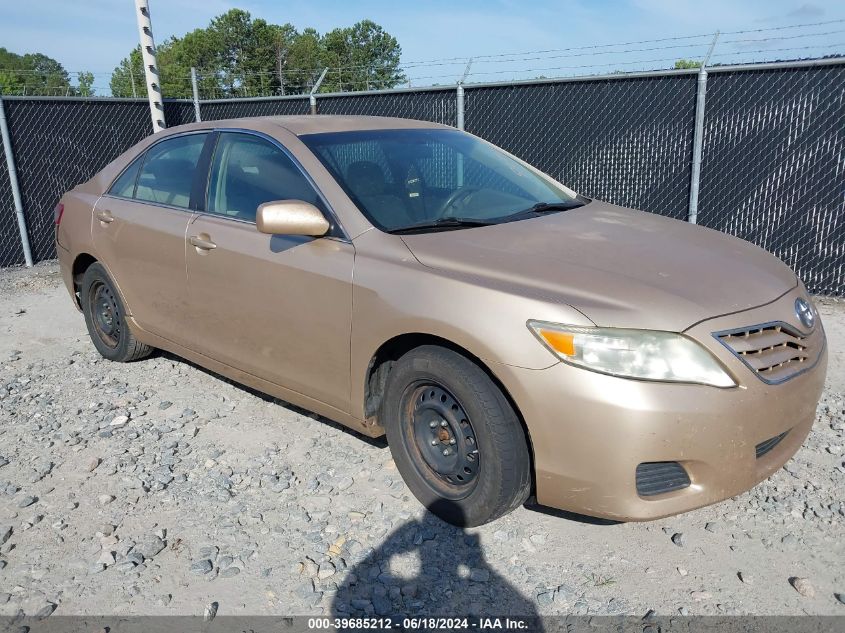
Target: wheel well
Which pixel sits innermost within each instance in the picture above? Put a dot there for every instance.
(382, 362)
(82, 262)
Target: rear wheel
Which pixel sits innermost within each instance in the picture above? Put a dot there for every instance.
(455, 438)
(105, 317)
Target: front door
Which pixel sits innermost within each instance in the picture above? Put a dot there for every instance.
(139, 231)
(277, 307)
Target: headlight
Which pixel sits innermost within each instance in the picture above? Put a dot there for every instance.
(643, 354)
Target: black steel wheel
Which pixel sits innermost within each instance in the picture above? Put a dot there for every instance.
(105, 318)
(455, 438)
(443, 437)
(105, 313)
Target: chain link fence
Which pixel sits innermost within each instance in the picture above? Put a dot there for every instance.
(774, 146)
(773, 169)
(235, 108)
(626, 141)
(434, 105)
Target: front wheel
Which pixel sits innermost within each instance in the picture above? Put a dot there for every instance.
(105, 318)
(455, 438)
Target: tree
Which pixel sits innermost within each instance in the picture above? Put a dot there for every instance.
(687, 63)
(127, 80)
(365, 56)
(33, 74)
(86, 84)
(238, 55)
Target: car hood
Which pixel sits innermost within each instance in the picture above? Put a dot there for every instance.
(619, 267)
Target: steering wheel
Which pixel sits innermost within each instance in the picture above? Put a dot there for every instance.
(455, 196)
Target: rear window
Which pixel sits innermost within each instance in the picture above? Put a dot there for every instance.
(168, 172)
(124, 187)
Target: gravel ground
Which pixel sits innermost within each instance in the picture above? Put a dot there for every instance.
(159, 488)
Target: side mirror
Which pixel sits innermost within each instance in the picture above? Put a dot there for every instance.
(291, 217)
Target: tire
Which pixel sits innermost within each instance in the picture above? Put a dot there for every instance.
(437, 401)
(105, 317)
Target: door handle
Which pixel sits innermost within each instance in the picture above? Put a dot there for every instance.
(105, 216)
(204, 244)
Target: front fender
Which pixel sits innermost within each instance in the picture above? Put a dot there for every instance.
(395, 295)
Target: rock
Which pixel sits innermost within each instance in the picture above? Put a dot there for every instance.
(326, 570)
(344, 483)
(92, 464)
(802, 586)
(5, 533)
(700, 596)
(682, 571)
(745, 578)
(564, 594)
(679, 539)
(710, 526)
(479, 575)
(201, 567)
(27, 501)
(545, 598)
(119, 421)
(149, 546)
(789, 540)
(45, 611)
(840, 597)
(230, 572)
(381, 605)
(104, 500)
(164, 404)
(310, 568)
(210, 611)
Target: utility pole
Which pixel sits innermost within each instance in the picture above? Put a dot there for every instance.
(280, 62)
(148, 53)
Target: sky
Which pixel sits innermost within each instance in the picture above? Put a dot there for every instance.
(94, 35)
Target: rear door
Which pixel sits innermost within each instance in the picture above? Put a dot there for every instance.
(139, 232)
(275, 306)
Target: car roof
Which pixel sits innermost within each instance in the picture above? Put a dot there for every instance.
(316, 123)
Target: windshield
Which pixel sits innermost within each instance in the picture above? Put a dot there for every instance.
(434, 179)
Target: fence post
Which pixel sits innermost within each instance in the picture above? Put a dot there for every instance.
(312, 97)
(460, 106)
(196, 94)
(13, 182)
(698, 137)
(459, 97)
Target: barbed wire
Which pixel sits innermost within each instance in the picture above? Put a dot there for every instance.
(223, 82)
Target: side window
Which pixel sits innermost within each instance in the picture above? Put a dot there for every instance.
(124, 186)
(168, 171)
(248, 171)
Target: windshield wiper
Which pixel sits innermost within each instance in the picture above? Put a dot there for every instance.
(544, 207)
(442, 223)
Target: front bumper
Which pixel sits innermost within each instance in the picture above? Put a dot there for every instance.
(590, 431)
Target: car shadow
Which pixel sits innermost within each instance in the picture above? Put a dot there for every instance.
(378, 442)
(533, 506)
(429, 568)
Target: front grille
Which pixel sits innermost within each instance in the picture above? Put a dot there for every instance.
(774, 351)
(654, 478)
(764, 447)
